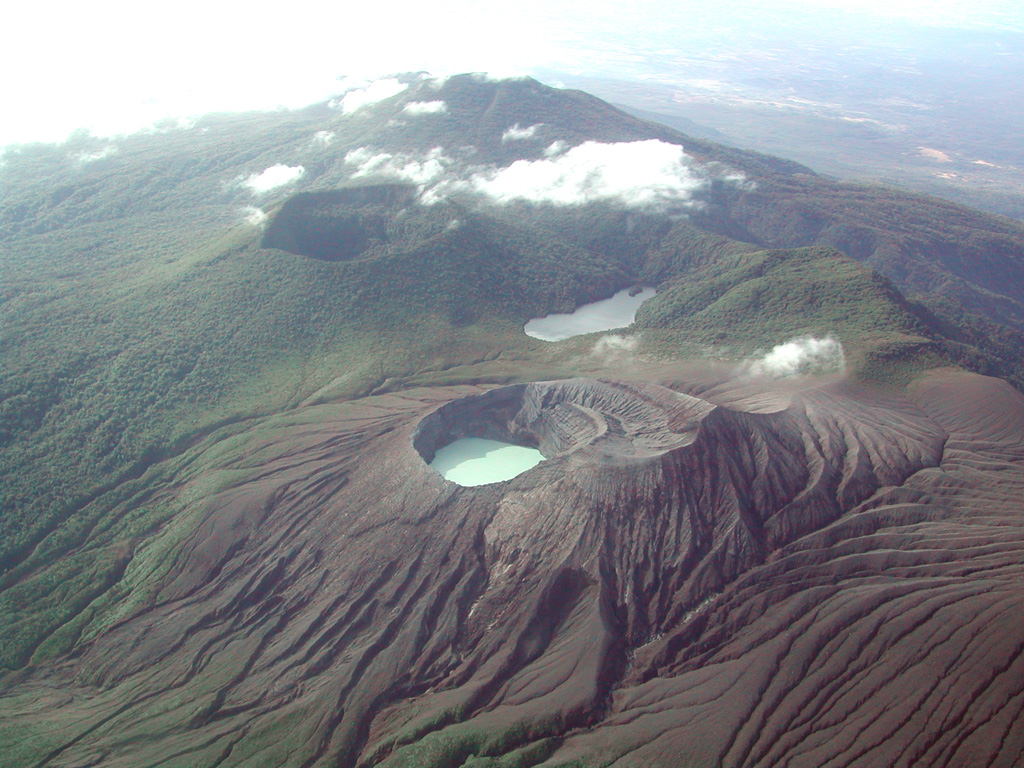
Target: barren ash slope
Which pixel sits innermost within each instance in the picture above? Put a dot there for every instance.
(223, 541)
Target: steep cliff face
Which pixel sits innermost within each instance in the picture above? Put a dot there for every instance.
(706, 572)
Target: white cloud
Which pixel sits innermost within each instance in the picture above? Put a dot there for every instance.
(499, 73)
(376, 91)
(179, 123)
(640, 173)
(437, 80)
(418, 170)
(614, 346)
(425, 108)
(273, 177)
(555, 148)
(517, 133)
(736, 179)
(84, 158)
(802, 355)
(254, 216)
(323, 138)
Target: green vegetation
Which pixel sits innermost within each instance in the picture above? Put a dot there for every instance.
(764, 296)
(143, 315)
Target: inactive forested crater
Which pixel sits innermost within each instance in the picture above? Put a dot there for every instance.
(338, 225)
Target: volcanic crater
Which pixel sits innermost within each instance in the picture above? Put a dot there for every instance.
(339, 225)
(706, 573)
(592, 421)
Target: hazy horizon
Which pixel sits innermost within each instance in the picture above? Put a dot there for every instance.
(111, 69)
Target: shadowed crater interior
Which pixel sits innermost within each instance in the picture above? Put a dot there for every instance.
(339, 225)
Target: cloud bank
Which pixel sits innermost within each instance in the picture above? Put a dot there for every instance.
(273, 177)
(635, 174)
(642, 174)
(802, 355)
(418, 170)
(425, 108)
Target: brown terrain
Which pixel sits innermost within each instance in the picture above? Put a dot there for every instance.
(706, 571)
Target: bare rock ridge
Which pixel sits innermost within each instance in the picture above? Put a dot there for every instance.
(826, 576)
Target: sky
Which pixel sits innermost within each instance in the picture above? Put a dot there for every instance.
(112, 66)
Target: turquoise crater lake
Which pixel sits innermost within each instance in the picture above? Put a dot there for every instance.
(475, 461)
